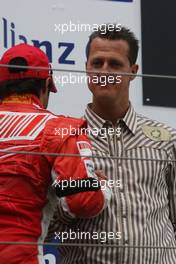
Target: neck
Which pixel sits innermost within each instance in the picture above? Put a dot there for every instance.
(110, 112)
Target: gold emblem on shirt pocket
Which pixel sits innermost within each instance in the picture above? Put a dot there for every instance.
(156, 133)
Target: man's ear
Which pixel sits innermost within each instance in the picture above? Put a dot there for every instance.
(46, 87)
(134, 70)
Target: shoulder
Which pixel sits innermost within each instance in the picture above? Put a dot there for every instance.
(67, 122)
(62, 125)
(57, 130)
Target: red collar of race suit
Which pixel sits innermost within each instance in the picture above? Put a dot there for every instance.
(27, 99)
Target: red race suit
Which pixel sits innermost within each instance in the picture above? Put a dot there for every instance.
(32, 185)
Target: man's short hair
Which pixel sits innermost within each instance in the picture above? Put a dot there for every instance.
(116, 34)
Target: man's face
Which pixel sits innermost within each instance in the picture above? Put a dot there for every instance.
(109, 56)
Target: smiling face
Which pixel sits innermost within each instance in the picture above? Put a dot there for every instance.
(110, 56)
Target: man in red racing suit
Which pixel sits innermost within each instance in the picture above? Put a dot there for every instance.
(31, 185)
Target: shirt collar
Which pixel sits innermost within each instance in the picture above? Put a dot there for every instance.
(93, 119)
(96, 122)
(130, 119)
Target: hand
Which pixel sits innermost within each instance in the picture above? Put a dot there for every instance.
(102, 179)
(100, 174)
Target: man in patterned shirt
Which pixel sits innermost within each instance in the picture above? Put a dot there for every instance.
(142, 211)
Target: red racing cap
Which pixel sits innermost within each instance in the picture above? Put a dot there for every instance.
(34, 57)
